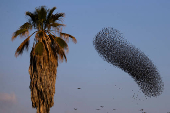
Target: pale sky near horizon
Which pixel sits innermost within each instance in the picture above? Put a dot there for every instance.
(145, 24)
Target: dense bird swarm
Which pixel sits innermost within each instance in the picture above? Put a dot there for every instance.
(113, 48)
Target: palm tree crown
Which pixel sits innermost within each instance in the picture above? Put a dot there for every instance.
(45, 23)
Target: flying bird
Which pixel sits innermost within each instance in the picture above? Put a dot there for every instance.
(101, 106)
(141, 110)
(78, 88)
(75, 108)
(97, 109)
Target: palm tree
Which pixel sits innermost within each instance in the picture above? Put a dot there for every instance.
(48, 48)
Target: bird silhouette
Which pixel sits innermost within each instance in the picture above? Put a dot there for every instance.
(97, 109)
(141, 110)
(101, 106)
(75, 108)
(78, 88)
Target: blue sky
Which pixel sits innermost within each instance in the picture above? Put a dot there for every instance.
(144, 24)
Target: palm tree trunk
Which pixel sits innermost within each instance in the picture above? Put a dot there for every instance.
(42, 72)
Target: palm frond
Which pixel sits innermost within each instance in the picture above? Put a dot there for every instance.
(23, 31)
(39, 48)
(42, 13)
(23, 45)
(59, 52)
(33, 17)
(67, 36)
(58, 46)
(38, 18)
(62, 56)
(58, 16)
(59, 41)
(50, 13)
(56, 27)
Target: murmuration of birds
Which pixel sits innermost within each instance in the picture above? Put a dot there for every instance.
(113, 48)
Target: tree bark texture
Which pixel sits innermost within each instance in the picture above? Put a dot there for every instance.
(42, 72)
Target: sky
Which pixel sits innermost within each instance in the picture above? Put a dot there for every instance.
(145, 24)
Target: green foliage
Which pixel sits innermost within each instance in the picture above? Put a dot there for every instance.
(67, 36)
(27, 25)
(23, 31)
(50, 13)
(61, 42)
(58, 41)
(42, 13)
(23, 45)
(33, 18)
(39, 48)
(58, 16)
(44, 22)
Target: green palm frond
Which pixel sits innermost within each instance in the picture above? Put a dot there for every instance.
(23, 31)
(56, 27)
(38, 18)
(58, 46)
(62, 56)
(31, 15)
(39, 48)
(23, 45)
(33, 18)
(50, 13)
(42, 13)
(27, 25)
(57, 16)
(59, 52)
(59, 41)
(67, 36)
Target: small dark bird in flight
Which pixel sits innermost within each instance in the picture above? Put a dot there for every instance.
(78, 88)
(141, 110)
(75, 108)
(101, 106)
(114, 109)
(97, 109)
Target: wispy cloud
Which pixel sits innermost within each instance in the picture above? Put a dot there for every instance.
(6, 97)
(9, 104)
